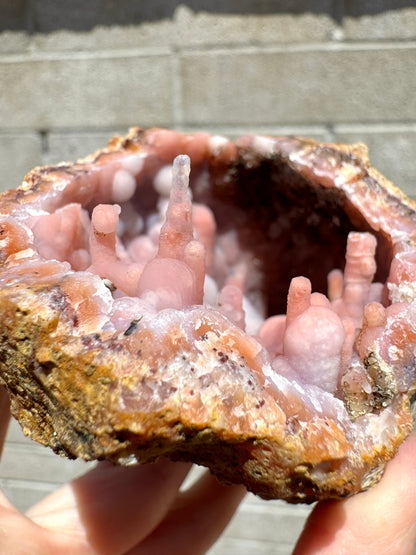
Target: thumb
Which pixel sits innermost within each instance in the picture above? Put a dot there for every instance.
(380, 521)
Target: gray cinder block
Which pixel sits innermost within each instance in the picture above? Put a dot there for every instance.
(299, 86)
(86, 91)
(19, 153)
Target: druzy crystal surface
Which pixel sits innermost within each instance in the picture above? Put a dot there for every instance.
(244, 305)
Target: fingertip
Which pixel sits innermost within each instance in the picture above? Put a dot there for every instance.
(196, 520)
(112, 508)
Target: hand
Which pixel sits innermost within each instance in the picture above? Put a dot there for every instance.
(381, 521)
(114, 510)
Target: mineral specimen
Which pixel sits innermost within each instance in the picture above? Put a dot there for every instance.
(259, 320)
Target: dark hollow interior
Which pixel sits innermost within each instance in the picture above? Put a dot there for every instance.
(291, 226)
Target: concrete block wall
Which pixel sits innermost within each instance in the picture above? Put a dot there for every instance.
(74, 73)
(338, 70)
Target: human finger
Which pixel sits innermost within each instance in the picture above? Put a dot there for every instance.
(19, 535)
(111, 508)
(195, 521)
(380, 521)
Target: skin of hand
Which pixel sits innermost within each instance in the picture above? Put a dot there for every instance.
(380, 521)
(141, 511)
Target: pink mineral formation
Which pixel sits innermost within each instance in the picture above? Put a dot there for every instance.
(247, 305)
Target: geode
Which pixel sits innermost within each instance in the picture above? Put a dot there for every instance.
(247, 305)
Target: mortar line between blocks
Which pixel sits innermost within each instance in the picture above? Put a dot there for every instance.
(62, 55)
(329, 47)
(39, 56)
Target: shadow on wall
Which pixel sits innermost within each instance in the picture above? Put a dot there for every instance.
(48, 15)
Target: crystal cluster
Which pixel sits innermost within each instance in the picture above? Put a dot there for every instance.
(245, 305)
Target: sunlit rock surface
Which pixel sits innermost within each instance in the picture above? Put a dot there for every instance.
(245, 305)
